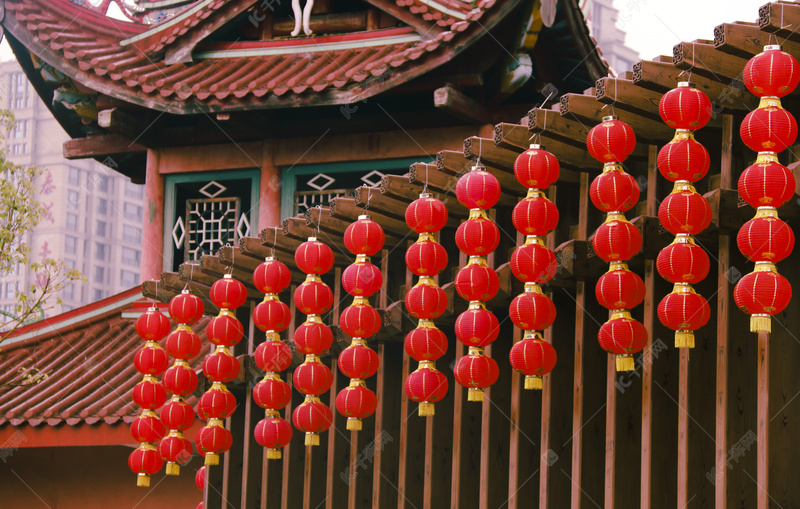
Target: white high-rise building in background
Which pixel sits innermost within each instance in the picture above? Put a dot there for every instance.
(604, 22)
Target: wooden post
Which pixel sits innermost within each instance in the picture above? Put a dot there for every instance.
(763, 421)
(153, 224)
(269, 192)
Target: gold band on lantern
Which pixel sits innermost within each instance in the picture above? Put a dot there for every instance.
(770, 101)
(766, 157)
(477, 214)
(682, 134)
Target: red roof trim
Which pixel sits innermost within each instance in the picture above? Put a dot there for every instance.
(310, 41)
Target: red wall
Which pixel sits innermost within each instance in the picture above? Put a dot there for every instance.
(90, 478)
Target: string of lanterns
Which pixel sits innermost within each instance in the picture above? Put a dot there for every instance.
(767, 185)
(534, 263)
(684, 213)
(617, 240)
(426, 343)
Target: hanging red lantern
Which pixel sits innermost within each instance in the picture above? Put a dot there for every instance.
(216, 403)
(535, 215)
(772, 72)
(272, 276)
(767, 183)
(685, 211)
(358, 361)
(617, 239)
(177, 414)
(227, 293)
(619, 288)
(536, 168)
(183, 343)
(684, 311)
(273, 355)
(221, 366)
(532, 310)
(313, 257)
(151, 360)
(312, 417)
(683, 158)
(272, 393)
(147, 427)
(272, 314)
(611, 141)
(274, 434)
(152, 325)
(477, 326)
(149, 393)
(476, 372)
(614, 190)
(356, 402)
(200, 478)
(477, 281)
(224, 329)
(313, 337)
(180, 379)
(685, 107)
(761, 294)
(145, 461)
(683, 261)
(426, 386)
(186, 308)
(765, 238)
(312, 377)
(313, 297)
(533, 262)
(362, 279)
(770, 129)
(213, 440)
(364, 236)
(426, 342)
(622, 336)
(426, 257)
(534, 358)
(426, 300)
(426, 214)
(478, 189)
(174, 449)
(360, 320)
(477, 236)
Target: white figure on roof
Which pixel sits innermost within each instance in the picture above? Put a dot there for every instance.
(304, 15)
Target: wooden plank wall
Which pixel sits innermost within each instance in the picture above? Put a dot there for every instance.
(714, 426)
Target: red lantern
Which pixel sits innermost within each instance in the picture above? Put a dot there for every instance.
(272, 276)
(614, 191)
(273, 433)
(623, 336)
(611, 141)
(427, 257)
(227, 293)
(313, 297)
(273, 355)
(476, 371)
(536, 168)
(685, 211)
(533, 263)
(765, 238)
(216, 403)
(534, 358)
(224, 330)
(617, 239)
(364, 236)
(426, 300)
(360, 321)
(272, 393)
(477, 326)
(312, 417)
(426, 342)
(426, 386)
(770, 129)
(149, 393)
(200, 479)
(356, 402)
(186, 308)
(221, 366)
(312, 377)
(180, 379)
(761, 294)
(535, 215)
(313, 257)
(177, 414)
(684, 311)
(147, 427)
(477, 281)
(426, 214)
(174, 449)
(532, 310)
(213, 440)
(478, 189)
(772, 72)
(685, 107)
(619, 288)
(358, 361)
(152, 325)
(362, 279)
(272, 314)
(477, 236)
(767, 183)
(183, 343)
(683, 159)
(151, 360)
(313, 337)
(145, 461)
(683, 261)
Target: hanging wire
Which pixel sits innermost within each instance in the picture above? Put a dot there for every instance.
(425, 187)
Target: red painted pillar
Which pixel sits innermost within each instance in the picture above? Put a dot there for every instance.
(269, 193)
(153, 225)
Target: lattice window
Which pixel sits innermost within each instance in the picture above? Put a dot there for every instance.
(210, 224)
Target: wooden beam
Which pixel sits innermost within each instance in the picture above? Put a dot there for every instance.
(100, 146)
(153, 290)
(745, 40)
(625, 94)
(449, 163)
(401, 188)
(376, 202)
(461, 106)
(325, 23)
(781, 19)
(133, 127)
(296, 227)
(426, 29)
(485, 150)
(703, 59)
(346, 208)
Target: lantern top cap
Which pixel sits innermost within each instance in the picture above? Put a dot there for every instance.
(685, 84)
(536, 146)
(478, 167)
(772, 47)
(532, 334)
(425, 195)
(363, 216)
(227, 276)
(185, 291)
(609, 117)
(312, 239)
(269, 259)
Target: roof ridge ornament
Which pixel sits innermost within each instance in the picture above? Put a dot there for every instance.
(304, 15)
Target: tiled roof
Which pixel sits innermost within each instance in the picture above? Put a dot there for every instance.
(87, 46)
(87, 355)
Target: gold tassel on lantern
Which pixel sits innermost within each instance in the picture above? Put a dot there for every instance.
(684, 339)
(760, 323)
(143, 480)
(312, 439)
(475, 394)
(533, 382)
(625, 362)
(426, 409)
(212, 458)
